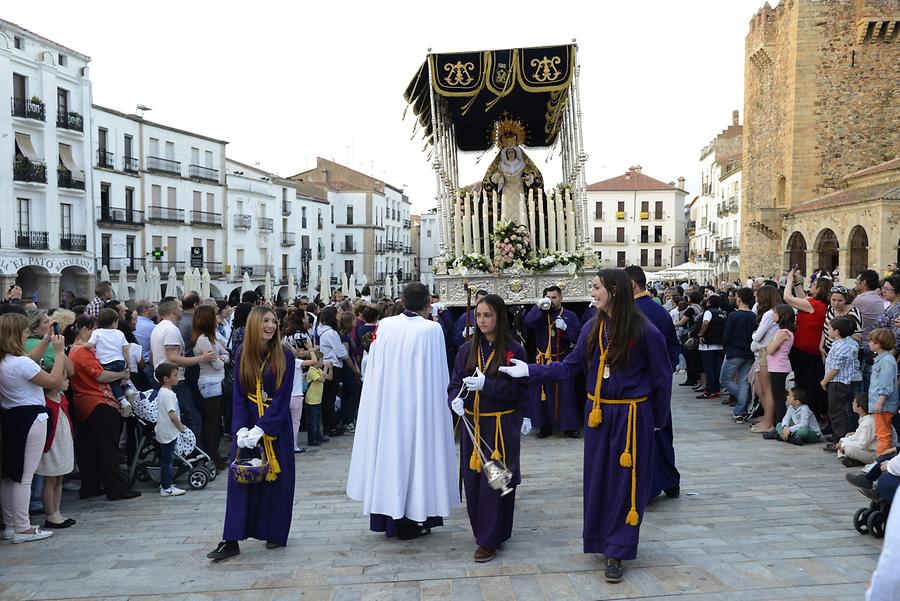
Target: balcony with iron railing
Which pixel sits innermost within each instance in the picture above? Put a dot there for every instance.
(64, 179)
(204, 173)
(32, 240)
(163, 165)
(69, 120)
(320, 254)
(105, 159)
(407, 224)
(130, 165)
(321, 223)
(165, 214)
(288, 238)
(241, 221)
(115, 216)
(255, 271)
(349, 249)
(266, 224)
(25, 170)
(29, 108)
(206, 219)
(115, 264)
(73, 242)
(725, 244)
(214, 267)
(164, 266)
(286, 208)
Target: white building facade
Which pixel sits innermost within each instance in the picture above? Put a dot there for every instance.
(45, 174)
(635, 219)
(429, 237)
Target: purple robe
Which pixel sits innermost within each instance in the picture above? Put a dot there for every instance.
(490, 514)
(607, 485)
(560, 408)
(263, 511)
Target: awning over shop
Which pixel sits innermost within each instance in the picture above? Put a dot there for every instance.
(474, 89)
(65, 156)
(23, 141)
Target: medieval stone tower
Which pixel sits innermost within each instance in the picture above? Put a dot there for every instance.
(821, 101)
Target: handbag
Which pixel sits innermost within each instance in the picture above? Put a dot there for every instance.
(691, 344)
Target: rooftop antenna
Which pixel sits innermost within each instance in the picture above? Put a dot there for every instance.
(141, 108)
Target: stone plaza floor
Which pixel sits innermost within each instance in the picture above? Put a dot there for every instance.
(756, 520)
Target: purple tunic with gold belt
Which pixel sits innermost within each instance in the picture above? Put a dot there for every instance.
(500, 425)
(263, 511)
(557, 404)
(615, 495)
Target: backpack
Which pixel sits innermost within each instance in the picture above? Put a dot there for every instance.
(715, 331)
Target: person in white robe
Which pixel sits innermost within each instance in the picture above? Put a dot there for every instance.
(403, 466)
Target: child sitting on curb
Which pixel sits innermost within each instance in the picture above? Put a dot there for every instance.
(799, 425)
(858, 448)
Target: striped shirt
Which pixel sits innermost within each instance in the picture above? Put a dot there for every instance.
(853, 315)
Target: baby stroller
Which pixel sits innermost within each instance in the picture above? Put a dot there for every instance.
(187, 459)
(872, 519)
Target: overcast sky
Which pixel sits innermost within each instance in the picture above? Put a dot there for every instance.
(284, 82)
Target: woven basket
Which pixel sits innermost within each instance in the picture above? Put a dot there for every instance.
(244, 473)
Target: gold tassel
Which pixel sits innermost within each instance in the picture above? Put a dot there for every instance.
(632, 519)
(475, 461)
(543, 394)
(495, 455)
(596, 417)
(625, 459)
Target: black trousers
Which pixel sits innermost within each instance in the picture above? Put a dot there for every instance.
(97, 452)
(809, 370)
(329, 393)
(779, 394)
(839, 398)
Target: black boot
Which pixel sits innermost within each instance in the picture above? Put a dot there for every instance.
(614, 570)
(545, 432)
(226, 549)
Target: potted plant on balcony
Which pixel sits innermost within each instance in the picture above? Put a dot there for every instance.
(35, 108)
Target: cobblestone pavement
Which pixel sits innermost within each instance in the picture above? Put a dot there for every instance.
(756, 520)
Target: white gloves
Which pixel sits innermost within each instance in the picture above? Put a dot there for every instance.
(457, 406)
(240, 436)
(475, 382)
(526, 426)
(518, 369)
(470, 331)
(251, 438)
(561, 324)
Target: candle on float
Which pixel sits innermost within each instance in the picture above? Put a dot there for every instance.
(496, 216)
(487, 224)
(571, 225)
(467, 224)
(560, 223)
(541, 241)
(457, 227)
(531, 221)
(551, 222)
(476, 225)
(522, 218)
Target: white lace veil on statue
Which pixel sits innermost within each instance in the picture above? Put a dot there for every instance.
(511, 167)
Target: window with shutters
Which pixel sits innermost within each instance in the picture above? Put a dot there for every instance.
(598, 234)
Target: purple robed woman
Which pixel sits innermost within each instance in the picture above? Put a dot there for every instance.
(629, 383)
(492, 403)
(261, 423)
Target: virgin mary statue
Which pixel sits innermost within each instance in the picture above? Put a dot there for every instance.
(511, 173)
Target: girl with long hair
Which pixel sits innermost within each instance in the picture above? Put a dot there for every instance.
(629, 383)
(264, 378)
(204, 338)
(491, 401)
(779, 365)
(766, 299)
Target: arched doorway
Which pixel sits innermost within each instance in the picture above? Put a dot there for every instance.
(827, 250)
(35, 284)
(859, 251)
(235, 296)
(796, 251)
(214, 292)
(77, 280)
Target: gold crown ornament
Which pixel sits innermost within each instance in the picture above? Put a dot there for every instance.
(508, 132)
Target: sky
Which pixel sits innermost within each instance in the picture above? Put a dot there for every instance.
(285, 82)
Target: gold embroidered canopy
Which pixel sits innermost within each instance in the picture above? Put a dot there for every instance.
(474, 89)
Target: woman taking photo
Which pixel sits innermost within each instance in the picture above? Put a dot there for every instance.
(766, 328)
(806, 361)
(204, 338)
(24, 422)
(629, 383)
(490, 401)
(263, 380)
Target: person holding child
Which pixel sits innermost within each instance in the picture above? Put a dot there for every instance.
(841, 363)
(883, 395)
(111, 347)
(168, 426)
(799, 425)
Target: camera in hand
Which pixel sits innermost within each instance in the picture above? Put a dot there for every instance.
(544, 304)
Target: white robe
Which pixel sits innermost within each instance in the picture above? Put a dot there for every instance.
(404, 460)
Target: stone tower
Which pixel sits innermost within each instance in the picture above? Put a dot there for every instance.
(821, 101)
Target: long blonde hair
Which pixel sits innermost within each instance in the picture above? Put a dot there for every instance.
(254, 354)
(12, 325)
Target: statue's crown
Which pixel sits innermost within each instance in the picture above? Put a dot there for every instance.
(509, 132)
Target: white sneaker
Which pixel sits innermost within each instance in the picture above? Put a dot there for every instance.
(172, 491)
(38, 534)
(7, 534)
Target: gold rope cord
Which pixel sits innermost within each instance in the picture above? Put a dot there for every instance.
(475, 459)
(268, 448)
(628, 458)
(596, 416)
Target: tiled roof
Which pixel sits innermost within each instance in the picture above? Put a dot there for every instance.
(889, 191)
(631, 180)
(886, 166)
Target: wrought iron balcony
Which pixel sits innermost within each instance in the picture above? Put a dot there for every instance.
(207, 173)
(33, 240)
(69, 120)
(115, 216)
(166, 214)
(105, 159)
(241, 222)
(29, 108)
(64, 179)
(130, 165)
(115, 264)
(25, 170)
(266, 224)
(207, 219)
(349, 249)
(165, 266)
(288, 238)
(407, 224)
(255, 271)
(321, 223)
(163, 165)
(321, 255)
(77, 242)
(286, 207)
(214, 267)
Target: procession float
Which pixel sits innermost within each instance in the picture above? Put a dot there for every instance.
(512, 233)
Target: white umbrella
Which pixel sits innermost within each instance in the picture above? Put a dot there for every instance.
(122, 286)
(204, 283)
(388, 287)
(292, 287)
(104, 274)
(154, 284)
(245, 282)
(345, 285)
(312, 287)
(195, 280)
(140, 284)
(326, 290)
(171, 283)
(352, 292)
(364, 280)
(267, 289)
